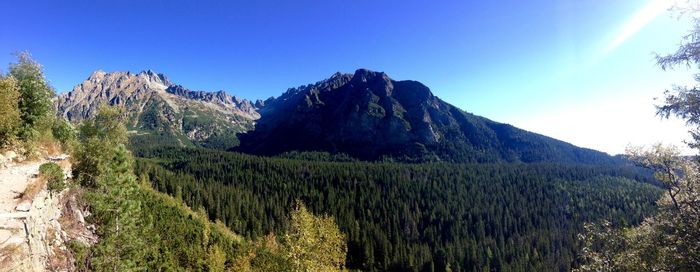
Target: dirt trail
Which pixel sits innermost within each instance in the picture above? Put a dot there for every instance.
(13, 181)
(25, 224)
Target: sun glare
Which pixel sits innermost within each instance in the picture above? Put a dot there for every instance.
(643, 17)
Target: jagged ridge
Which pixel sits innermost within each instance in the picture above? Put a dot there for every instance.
(159, 110)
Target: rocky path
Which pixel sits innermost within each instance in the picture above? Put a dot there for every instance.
(25, 223)
(13, 181)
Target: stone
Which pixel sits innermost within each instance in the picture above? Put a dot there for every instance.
(24, 206)
(10, 155)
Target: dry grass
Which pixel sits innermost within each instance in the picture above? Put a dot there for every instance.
(7, 254)
(69, 222)
(58, 260)
(33, 188)
(71, 204)
(64, 164)
(49, 146)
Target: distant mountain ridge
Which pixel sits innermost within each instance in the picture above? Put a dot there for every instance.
(160, 111)
(366, 115)
(371, 116)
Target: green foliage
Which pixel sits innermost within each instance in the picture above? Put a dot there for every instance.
(104, 166)
(108, 125)
(98, 137)
(180, 239)
(216, 259)
(601, 242)
(314, 243)
(80, 254)
(317, 156)
(665, 241)
(410, 217)
(35, 95)
(141, 229)
(116, 205)
(53, 175)
(64, 132)
(9, 110)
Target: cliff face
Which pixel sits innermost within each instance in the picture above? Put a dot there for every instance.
(158, 109)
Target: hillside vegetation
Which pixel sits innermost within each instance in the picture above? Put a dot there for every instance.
(27, 118)
(139, 228)
(413, 217)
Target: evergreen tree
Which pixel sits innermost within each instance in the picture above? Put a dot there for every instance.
(98, 137)
(116, 206)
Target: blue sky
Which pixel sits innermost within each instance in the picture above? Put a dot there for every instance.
(580, 71)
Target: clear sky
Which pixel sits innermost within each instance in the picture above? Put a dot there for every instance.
(580, 71)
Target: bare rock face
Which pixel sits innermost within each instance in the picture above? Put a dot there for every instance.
(157, 107)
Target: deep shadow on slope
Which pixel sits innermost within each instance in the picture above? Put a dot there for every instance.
(371, 117)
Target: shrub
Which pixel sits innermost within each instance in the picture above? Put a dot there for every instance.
(9, 110)
(53, 175)
(63, 132)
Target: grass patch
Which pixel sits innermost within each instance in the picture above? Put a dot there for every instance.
(33, 188)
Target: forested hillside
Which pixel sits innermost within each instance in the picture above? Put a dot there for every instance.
(141, 229)
(405, 217)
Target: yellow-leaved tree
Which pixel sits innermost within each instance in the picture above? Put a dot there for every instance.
(314, 243)
(9, 110)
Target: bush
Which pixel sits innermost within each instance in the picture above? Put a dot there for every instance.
(81, 254)
(9, 110)
(53, 175)
(64, 133)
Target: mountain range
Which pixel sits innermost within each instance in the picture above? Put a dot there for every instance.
(160, 111)
(366, 115)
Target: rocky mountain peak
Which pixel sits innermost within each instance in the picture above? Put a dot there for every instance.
(98, 74)
(370, 116)
(151, 76)
(150, 97)
(377, 82)
(363, 75)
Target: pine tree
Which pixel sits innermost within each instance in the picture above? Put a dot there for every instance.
(97, 136)
(116, 205)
